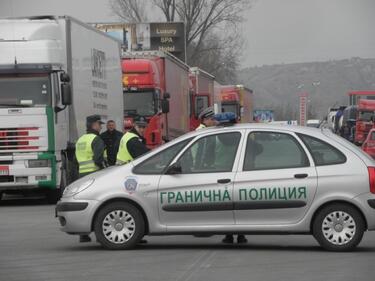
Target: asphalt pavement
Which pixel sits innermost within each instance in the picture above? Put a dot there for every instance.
(33, 248)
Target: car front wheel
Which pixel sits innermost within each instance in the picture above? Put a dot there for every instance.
(119, 226)
(338, 227)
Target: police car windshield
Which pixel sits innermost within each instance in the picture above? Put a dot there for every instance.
(30, 91)
(139, 103)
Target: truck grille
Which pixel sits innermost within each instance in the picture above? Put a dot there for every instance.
(6, 179)
(17, 139)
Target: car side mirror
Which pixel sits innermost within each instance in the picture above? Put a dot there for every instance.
(174, 169)
(66, 94)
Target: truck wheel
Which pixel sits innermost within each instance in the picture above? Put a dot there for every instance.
(338, 227)
(119, 226)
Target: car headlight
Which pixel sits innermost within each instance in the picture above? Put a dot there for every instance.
(39, 163)
(77, 188)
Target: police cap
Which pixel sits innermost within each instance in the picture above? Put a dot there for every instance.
(140, 121)
(207, 113)
(92, 119)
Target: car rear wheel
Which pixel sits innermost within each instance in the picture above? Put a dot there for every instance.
(338, 227)
(119, 226)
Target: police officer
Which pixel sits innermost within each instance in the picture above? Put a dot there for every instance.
(111, 138)
(90, 147)
(225, 146)
(89, 152)
(207, 118)
(133, 144)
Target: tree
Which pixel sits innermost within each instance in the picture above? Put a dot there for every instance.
(130, 10)
(212, 39)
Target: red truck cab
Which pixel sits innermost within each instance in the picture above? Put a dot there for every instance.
(156, 85)
(365, 120)
(369, 144)
(239, 100)
(142, 85)
(230, 100)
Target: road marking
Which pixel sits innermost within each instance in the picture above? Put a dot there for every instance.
(203, 261)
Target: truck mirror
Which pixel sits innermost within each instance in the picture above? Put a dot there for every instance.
(66, 94)
(166, 96)
(64, 77)
(165, 106)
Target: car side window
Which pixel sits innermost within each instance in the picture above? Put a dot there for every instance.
(322, 152)
(211, 154)
(157, 163)
(271, 150)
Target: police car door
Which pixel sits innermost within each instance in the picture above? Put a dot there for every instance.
(197, 188)
(277, 180)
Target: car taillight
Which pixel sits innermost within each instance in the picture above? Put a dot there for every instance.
(371, 175)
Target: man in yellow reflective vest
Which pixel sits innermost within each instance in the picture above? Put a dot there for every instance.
(90, 147)
(133, 144)
(90, 152)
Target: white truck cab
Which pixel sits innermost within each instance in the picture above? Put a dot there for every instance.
(54, 71)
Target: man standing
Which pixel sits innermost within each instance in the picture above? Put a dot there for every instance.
(133, 144)
(111, 138)
(90, 147)
(89, 153)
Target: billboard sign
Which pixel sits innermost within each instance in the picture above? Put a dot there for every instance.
(263, 115)
(160, 36)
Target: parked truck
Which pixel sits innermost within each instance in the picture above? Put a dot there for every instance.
(239, 100)
(201, 94)
(54, 71)
(364, 121)
(156, 86)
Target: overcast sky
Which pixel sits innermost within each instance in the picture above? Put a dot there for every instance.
(276, 31)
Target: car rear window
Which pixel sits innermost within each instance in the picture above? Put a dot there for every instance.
(273, 150)
(322, 152)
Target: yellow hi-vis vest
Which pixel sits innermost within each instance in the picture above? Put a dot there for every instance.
(123, 155)
(85, 154)
(201, 126)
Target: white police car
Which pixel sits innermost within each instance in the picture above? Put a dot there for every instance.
(239, 179)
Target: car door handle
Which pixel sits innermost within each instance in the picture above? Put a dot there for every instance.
(223, 181)
(301, 176)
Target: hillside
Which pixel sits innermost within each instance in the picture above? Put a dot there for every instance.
(277, 86)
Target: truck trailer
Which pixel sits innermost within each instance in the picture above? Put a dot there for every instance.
(54, 72)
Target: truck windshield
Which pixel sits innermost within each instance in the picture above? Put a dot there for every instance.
(139, 103)
(229, 108)
(31, 91)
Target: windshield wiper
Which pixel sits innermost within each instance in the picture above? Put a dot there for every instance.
(14, 105)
